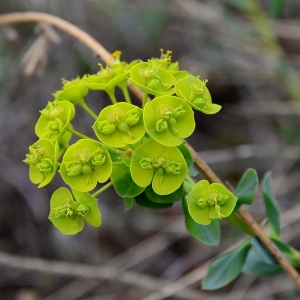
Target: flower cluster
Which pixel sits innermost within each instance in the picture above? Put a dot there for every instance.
(141, 150)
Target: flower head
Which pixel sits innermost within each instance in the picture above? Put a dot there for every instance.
(196, 93)
(68, 215)
(84, 164)
(210, 201)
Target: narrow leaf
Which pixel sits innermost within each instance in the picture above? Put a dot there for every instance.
(256, 266)
(272, 210)
(226, 268)
(128, 203)
(207, 234)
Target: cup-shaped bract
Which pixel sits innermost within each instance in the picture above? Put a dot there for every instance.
(84, 164)
(54, 120)
(88, 208)
(195, 92)
(164, 166)
(68, 214)
(210, 201)
(42, 160)
(153, 79)
(106, 79)
(73, 91)
(120, 124)
(165, 62)
(169, 119)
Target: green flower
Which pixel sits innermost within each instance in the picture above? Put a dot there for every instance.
(152, 78)
(73, 91)
(68, 214)
(164, 166)
(195, 92)
(165, 62)
(42, 160)
(120, 124)
(84, 164)
(168, 120)
(107, 78)
(207, 202)
(54, 120)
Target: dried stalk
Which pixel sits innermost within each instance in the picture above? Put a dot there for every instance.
(202, 166)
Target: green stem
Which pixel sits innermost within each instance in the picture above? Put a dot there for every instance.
(124, 89)
(145, 99)
(70, 129)
(190, 179)
(104, 188)
(112, 96)
(116, 163)
(88, 110)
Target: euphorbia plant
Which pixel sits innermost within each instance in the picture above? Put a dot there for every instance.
(141, 152)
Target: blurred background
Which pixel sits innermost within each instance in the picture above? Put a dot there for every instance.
(250, 53)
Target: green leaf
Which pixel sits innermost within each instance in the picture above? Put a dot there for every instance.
(262, 252)
(276, 7)
(271, 205)
(247, 188)
(237, 221)
(128, 203)
(142, 200)
(209, 234)
(187, 155)
(256, 266)
(261, 262)
(123, 183)
(226, 268)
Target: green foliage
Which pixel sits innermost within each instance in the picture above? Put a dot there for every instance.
(226, 268)
(271, 205)
(206, 234)
(142, 152)
(261, 263)
(246, 188)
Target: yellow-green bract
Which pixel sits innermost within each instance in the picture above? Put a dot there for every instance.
(210, 201)
(120, 124)
(84, 164)
(164, 166)
(68, 214)
(42, 160)
(153, 79)
(168, 120)
(73, 91)
(54, 119)
(195, 92)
